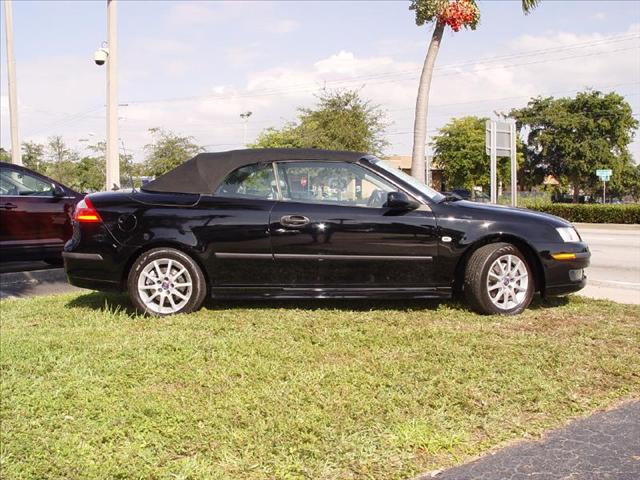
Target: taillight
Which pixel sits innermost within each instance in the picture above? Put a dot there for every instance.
(86, 213)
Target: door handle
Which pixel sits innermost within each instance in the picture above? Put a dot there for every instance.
(294, 221)
(8, 206)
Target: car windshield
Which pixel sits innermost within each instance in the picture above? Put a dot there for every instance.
(396, 172)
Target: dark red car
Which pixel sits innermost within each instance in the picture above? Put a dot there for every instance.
(35, 215)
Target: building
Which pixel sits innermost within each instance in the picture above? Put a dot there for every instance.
(403, 162)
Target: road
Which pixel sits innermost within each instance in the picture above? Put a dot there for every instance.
(602, 446)
(614, 273)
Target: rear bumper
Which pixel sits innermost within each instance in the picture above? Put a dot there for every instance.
(86, 270)
(93, 259)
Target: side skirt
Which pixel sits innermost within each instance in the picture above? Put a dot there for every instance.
(243, 292)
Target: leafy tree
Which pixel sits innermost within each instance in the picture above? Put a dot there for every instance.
(57, 150)
(5, 156)
(33, 157)
(288, 136)
(460, 149)
(91, 174)
(62, 161)
(96, 168)
(440, 13)
(626, 183)
(572, 137)
(167, 151)
(341, 120)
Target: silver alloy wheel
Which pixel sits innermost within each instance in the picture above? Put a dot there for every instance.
(508, 282)
(165, 286)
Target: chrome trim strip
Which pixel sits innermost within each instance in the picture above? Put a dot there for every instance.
(302, 256)
(82, 256)
(36, 196)
(231, 256)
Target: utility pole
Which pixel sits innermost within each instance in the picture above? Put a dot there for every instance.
(112, 157)
(16, 156)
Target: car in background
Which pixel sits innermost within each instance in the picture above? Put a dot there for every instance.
(35, 215)
(465, 194)
(295, 223)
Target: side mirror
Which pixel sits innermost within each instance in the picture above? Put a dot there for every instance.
(400, 201)
(57, 191)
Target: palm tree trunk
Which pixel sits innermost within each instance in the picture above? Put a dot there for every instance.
(422, 105)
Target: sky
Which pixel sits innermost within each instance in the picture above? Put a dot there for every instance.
(194, 67)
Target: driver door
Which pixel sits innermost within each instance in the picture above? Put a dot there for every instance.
(332, 229)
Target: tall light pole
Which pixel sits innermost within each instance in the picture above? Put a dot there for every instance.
(16, 156)
(245, 117)
(112, 158)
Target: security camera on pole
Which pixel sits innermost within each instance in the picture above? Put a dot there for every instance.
(109, 54)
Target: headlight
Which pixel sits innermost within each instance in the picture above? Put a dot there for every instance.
(568, 234)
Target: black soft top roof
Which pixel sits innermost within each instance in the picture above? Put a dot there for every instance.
(204, 172)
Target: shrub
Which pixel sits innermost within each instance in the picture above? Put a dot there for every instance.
(591, 213)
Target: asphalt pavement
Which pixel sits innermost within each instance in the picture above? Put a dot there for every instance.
(614, 273)
(605, 445)
(25, 279)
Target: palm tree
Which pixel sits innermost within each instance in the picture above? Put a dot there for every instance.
(456, 14)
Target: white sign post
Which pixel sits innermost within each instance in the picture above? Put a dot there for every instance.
(500, 139)
(604, 174)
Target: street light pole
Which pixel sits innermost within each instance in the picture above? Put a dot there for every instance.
(16, 156)
(245, 117)
(112, 158)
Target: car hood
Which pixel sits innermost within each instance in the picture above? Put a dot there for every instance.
(497, 212)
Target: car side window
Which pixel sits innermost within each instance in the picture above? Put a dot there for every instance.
(250, 181)
(333, 183)
(17, 182)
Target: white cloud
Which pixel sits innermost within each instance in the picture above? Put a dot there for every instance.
(600, 16)
(72, 87)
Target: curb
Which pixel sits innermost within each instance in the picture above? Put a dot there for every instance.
(611, 226)
(34, 276)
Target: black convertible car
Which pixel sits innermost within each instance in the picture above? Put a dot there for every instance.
(286, 223)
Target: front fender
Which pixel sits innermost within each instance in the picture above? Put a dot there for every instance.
(460, 236)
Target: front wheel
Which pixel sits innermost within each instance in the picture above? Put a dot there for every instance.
(498, 280)
(166, 281)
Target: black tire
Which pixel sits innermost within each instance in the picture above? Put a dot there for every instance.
(198, 290)
(476, 289)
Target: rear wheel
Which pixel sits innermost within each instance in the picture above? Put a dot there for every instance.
(166, 281)
(498, 280)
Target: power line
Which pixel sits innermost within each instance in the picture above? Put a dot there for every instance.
(441, 105)
(291, 89)
(296, 88)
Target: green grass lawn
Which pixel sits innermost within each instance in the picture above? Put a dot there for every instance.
(318, 390)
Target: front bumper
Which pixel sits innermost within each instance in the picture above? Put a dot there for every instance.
(564, 274)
